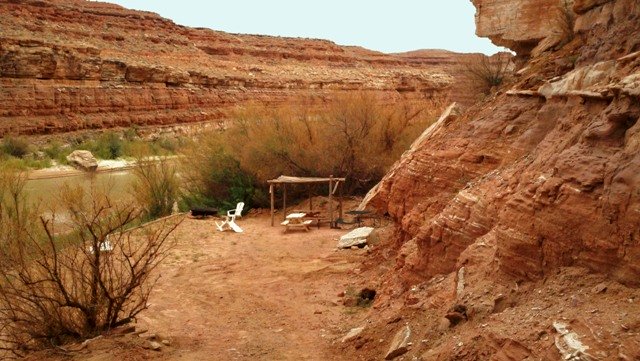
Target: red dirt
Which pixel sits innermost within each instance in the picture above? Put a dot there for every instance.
(259, 295)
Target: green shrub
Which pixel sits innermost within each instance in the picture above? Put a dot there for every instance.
(357, 136)
(15, 147)
(156, 187)
(214, 178)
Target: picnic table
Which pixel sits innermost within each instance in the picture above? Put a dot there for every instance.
(297, 221)
(359, 216)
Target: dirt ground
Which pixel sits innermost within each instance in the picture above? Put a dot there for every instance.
(267, 295)
(258, 295)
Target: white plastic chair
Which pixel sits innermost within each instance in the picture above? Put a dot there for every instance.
(230, 221)
(228, 224)
(233, 213)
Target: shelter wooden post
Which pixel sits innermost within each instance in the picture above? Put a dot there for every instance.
(310, 201)
(273, 213)
(340, 195)
(331, 201)
(284, 201)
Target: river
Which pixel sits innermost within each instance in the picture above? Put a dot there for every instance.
(47, 191)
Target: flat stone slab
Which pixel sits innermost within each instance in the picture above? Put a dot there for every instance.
(400, 343)
(353, 334)
(355, 238)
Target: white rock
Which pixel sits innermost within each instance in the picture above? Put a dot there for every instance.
(356, 237)
(83, 159)
(353, 334)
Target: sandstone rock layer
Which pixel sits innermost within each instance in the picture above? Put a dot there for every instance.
(545, 175)
(76, 65)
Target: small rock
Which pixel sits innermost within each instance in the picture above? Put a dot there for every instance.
(151, 336)
(141, 331)
(350, 301)
(124, 330)
(317, 312)
(155, 346)
(600, 288)
(410, 301)
(400, 343)
(509, 129)
(166, 342)
(394, 320)
(353, 334)
(455, 317)
(361, 342)
(444, 324)
(341, 294)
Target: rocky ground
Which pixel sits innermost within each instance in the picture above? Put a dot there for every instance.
(265, 295)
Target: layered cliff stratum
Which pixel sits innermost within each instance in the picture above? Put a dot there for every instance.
(519, 219)
(77, 65)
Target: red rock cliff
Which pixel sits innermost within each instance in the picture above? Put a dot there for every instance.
(517, 230)
(547, 172)
(72, 65)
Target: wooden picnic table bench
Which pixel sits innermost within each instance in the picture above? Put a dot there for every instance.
(297, 221)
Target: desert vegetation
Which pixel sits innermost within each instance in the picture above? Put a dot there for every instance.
(156, 187)
(84, 269)
(563, 22)
(487, 73)
(20, 152)
(354, 136)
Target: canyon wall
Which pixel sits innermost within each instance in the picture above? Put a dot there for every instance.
(76, 65)
(545, 173)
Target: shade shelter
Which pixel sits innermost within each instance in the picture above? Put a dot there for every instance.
(333, 183)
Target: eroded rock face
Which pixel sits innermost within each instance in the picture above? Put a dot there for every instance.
(533, 26)
(544, 182)
(76, 65)
(516, 24)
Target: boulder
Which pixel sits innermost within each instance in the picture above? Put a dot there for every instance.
(83, 159)
(356, 237)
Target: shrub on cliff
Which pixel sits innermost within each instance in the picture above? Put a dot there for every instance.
(355, 136)
(62, 285)
(563, 22)
(487, 73)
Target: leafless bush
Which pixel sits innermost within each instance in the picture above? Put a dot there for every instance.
(564, 21)
(60, 286)
(485, 73)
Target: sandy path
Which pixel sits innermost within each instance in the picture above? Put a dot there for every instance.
(259, 295)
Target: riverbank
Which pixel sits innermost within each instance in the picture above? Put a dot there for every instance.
(60, 171)
(104, 166)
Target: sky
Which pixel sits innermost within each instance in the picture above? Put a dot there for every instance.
(383, 25)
